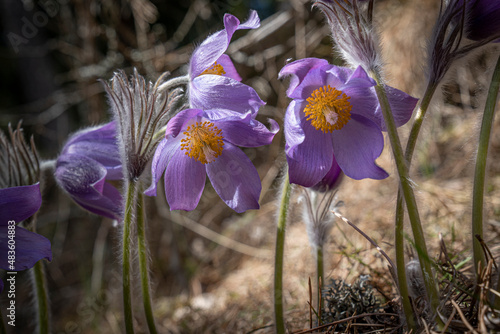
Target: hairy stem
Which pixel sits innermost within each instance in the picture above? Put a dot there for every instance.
(143, 263)
(399, 230)
(320, 282)
(42, 298)
(409, 196)
(131, 190)
(480, 170)
(278, 264)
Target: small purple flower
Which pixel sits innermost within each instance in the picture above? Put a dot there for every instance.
(213, 80)
(335, 116)
(89, 159)
(200, 142)
(16, 205)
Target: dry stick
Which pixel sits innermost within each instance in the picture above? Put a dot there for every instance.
(345, 320)
(460, 313)
(391, 264)
(449, 321)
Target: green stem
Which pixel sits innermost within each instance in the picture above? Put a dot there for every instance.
(143, 262)
(399, 230)
(480, 170)
(320, 273)
(131, 190)
(408, 194)
(278, 264)
(41, 297)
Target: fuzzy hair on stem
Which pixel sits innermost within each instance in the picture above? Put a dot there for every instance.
(351, 26)
(140, 110)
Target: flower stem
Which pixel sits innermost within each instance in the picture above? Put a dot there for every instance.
(143, 262)
(480, 170)
(278, 264)
(41, 297)
(320, 273)
(408, 194)
(131, 189)
(399, 230)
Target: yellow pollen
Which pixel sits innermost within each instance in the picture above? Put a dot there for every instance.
(328, 109)
(216, 69)
(203, 142)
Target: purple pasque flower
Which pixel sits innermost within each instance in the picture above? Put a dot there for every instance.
(204, 142)
(89, 159)
(335, 115)
(20, 198)
(17, 204)
(213, 80)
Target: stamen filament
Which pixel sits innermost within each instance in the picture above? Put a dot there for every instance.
(203, 142)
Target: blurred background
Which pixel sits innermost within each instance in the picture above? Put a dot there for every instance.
(211, 268)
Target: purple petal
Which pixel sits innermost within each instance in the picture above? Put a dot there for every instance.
(331, 180)
(218, 92)
(1, 286)
(310, 159)
(164, 152)
(100, 144)
(298, 70)
(229, 68)
(294, 134)
(245, 131)
(356, 147)
(84, 180)
(179, 121)
(215, 45)
(30, 248)
(402, 106)
(19, 203)
(184, 181)
(359, 78)
(483, 19)
(235, 179)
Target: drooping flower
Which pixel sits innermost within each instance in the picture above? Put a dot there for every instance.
(335, 114)
(20, 199)
(213, 80)
(199, 143)
(140, 110)
(89, 159)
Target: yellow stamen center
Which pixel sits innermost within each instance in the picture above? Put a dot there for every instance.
(328, 109)
(216, 69)
(203, 142)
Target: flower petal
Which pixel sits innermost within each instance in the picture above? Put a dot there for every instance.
(30, 248)
(331, 180)
(229, 68)
(19, 203)
(184, 181)
(179, 121)
(235, 179)
(245, 131)
(311, 159)
(164, 152)
(356, 147)
(298, 70)
(294, 134)
(215, 45)
(219, 92)
(100, 144)
(84, 180)
(402, 106)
